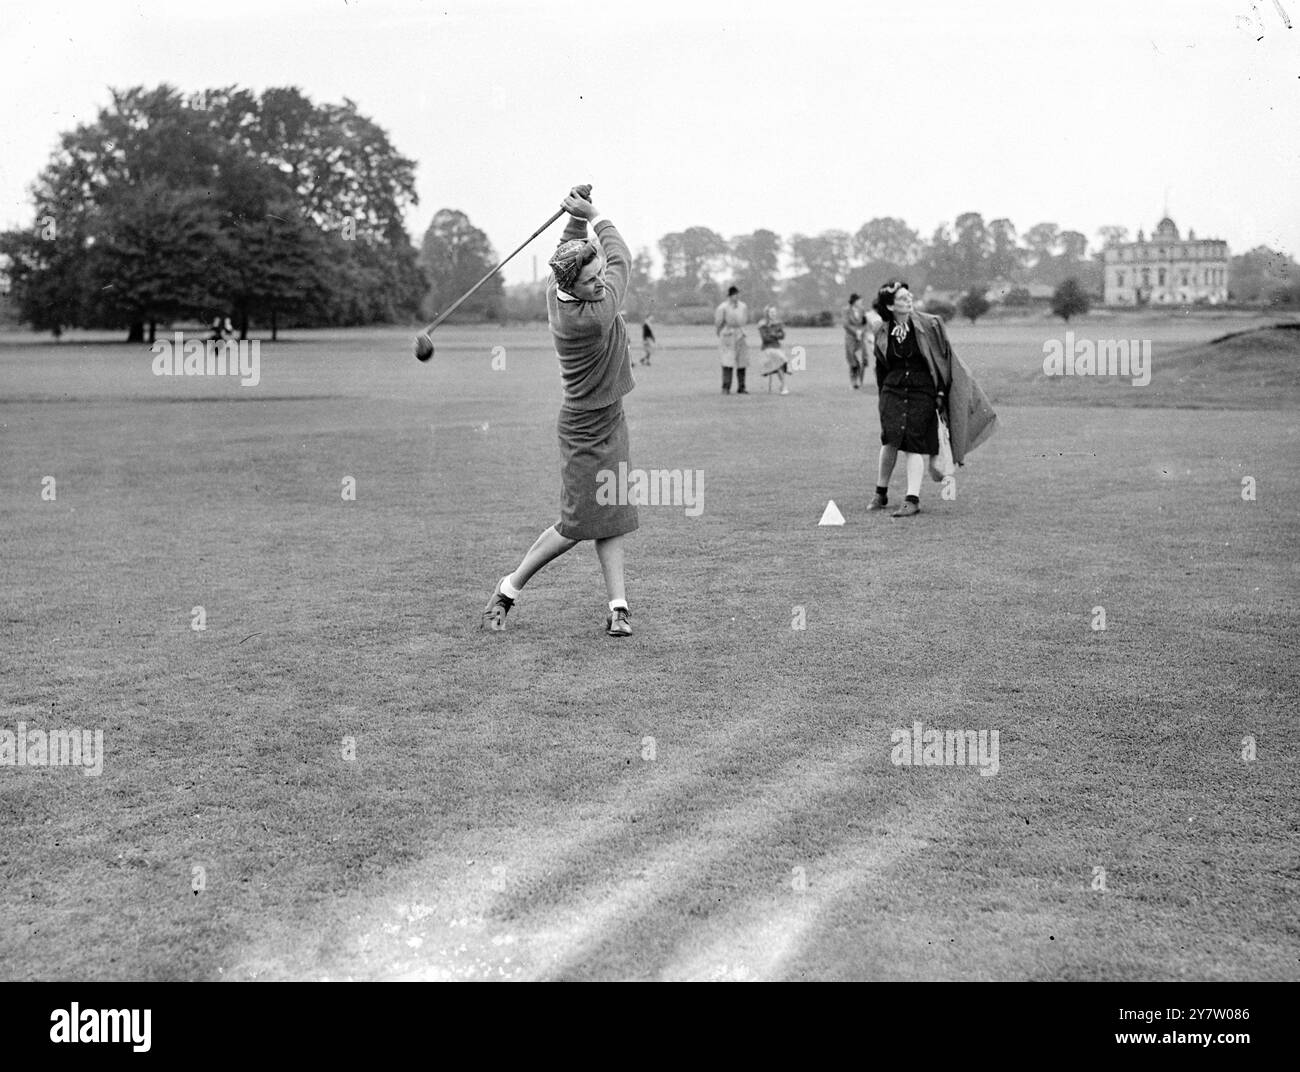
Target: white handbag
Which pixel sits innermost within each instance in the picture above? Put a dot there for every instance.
(941, 464)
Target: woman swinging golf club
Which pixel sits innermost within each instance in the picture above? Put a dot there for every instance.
(583, 298)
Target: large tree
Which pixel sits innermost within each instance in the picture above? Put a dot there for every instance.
(1112, 234)
(1043, 240)
(455, 255)
(1006, 257)
(97, 189)
(692, 260)
(256, 188)
(286, 268)
(756, 265)
(821, 263)
(640, 285)
(972, 249)
(889, 240)
(158, 254)
(47, 272)
(1070, 263)
(1074, 245)
(1260, 274)
(943, 271)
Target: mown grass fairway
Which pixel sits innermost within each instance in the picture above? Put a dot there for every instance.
(711, 799)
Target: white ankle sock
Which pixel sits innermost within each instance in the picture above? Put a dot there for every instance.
(507, 589)
(614, 604)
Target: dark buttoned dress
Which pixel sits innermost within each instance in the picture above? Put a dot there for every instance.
(908, 397)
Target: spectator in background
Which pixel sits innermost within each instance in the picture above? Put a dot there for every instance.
(729, 321)
(855, 340)
(648, 342)
(771, 331)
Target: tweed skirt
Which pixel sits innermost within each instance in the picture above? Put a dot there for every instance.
(773, 359)
(592, 443)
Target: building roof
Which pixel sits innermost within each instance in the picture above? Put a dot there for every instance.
(1166, 232)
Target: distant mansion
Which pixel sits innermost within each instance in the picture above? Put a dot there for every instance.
(1167, 269)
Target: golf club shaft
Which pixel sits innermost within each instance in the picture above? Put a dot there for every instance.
(464, 297)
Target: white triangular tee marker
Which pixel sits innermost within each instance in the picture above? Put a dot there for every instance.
(831, 515)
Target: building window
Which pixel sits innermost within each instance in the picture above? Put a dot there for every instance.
(1119, 279)
(1184, 277)
(1160, 277)
(1146, 277)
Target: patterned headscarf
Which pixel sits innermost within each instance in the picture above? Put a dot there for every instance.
(568, 260)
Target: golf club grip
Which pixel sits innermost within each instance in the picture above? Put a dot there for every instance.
(500, 264)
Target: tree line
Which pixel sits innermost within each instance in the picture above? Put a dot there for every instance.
(962, 259)
(698, 264)
(279, 211)
(265, 208)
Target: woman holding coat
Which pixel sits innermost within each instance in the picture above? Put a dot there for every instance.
(913, 371)
(920, 377)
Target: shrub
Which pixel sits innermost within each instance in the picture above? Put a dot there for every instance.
(973, 304)
(1069, 300)
(940, 308)
(823, 319)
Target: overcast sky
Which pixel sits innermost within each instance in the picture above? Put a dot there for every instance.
(794, 116)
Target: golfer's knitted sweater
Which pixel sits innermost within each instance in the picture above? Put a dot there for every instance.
(590, 336)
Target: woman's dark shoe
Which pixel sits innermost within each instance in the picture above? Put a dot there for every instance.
(494, 614)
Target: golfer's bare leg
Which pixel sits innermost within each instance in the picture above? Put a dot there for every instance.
(548, 546)
(888, 456)
(610, 553)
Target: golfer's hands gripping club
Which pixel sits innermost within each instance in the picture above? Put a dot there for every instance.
(577, 203)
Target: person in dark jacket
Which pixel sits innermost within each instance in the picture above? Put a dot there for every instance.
(648, 340)
(914, 376)
(855, 340)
